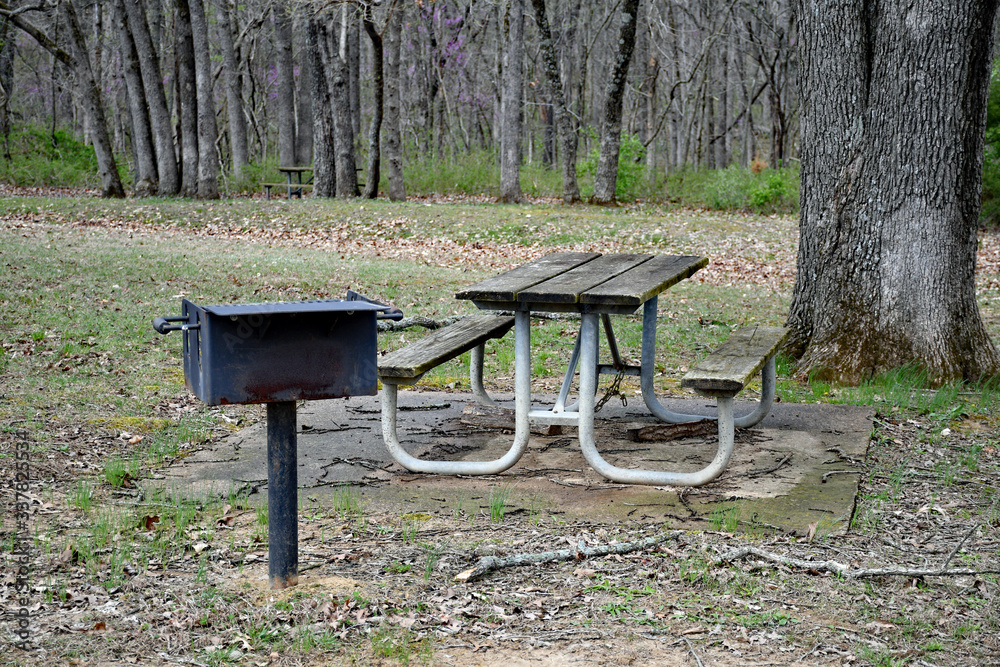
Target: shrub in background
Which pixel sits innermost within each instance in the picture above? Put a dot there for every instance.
(759, 190)
(40, 158)
(631, 167)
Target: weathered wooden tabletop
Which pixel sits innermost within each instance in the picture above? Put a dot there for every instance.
(583, 282)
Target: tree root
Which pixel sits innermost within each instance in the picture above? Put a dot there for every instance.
(489, 564)
(844, 570)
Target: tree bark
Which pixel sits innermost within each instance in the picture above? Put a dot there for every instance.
(284, 67)
(145, 178)
(893, 114)
(347, 175)
(304, 127)
(6, 84)
(374, 131)
(208, 131)
(152, 81)
(393, 133)
(234, 91)
(187, 99)
(606, 175)
(564, 124)
(324, 132)
(512, 19)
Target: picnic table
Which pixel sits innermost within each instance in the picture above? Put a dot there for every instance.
(293, 181)
(597, 287)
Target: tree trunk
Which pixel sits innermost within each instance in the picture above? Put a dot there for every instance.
(152, 81)
(234, 91)
(304, 126)
(145, 178)
(347, 175)
(111, 185)
(187, 100)
(606, 176)
(512, 18)
(564, 124)
(393, 131)
(324, 133)
(893, 116)
(284, 66)
(208, 131)
(6, 84)
(374, 155)
(352, 54)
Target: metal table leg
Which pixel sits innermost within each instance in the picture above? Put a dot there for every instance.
(588, 384)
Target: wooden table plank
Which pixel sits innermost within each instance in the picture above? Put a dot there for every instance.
(567, 287)
(638, 285)
(507, 285)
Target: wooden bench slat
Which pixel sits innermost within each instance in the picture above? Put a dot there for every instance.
(729, 368)
(641, 283)
(505, 287)
(567, 286)
(443, 345)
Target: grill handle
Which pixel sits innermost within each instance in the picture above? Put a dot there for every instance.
(390, 312)
(163, 324)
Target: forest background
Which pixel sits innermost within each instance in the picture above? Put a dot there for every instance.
(709, 109)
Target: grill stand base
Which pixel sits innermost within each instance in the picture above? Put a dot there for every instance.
(282, 496)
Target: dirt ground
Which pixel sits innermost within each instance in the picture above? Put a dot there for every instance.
(380, 588)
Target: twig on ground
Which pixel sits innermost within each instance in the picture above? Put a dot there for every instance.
(489, 564)
(959, 546)
(844, 570)
(765, 471)
(693, 653)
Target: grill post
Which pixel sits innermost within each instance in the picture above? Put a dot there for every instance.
(282, 496)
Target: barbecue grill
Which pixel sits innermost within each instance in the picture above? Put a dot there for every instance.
(279, 353)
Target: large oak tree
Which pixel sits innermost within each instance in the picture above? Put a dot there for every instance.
(893, 98)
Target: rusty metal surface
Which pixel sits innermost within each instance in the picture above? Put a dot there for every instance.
(264, 353)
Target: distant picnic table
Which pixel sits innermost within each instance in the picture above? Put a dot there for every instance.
(293, 181)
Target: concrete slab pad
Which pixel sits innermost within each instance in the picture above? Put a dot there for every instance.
(799, 467)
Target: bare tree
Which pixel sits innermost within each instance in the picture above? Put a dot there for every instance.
(564, 124)
(512, 20)
(606, 176)
(234, 90)
(208, 133)
(284, 66)
(375, 129)
(393, 138)
(187, 99)
(324, 132)
(145, 177)
(149, 64)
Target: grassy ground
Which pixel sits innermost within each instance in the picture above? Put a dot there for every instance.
(122, 573)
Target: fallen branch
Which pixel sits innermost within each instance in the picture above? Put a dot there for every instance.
(846, 571)
(489, 564)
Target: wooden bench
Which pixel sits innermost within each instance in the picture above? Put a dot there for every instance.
(726, 371)
(407, 365)
(294, 189)
(723, 374)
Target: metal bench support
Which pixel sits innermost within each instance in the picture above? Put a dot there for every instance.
(649, 393)
(522, 401)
